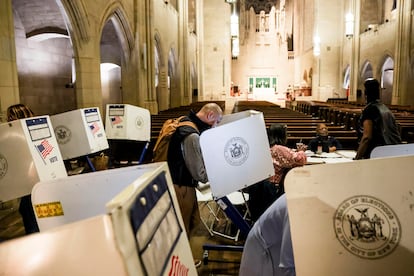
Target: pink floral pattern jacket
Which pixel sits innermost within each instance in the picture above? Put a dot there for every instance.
(285, 158)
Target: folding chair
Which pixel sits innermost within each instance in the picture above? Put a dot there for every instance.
(223, 213)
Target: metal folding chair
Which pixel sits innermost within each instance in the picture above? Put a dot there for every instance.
(223, 213)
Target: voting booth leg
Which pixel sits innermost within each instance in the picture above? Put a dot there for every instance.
(234, 215)
(144, 150)
(88, 160)
(239, 221)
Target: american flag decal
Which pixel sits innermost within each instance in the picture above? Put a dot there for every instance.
(94, 127)
(116, 120)
(44, 148)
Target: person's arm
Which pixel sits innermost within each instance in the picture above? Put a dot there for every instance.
(313, 144)
(193, 157)
(338, 144)
(335, 145)
(365, 140)
(287, 158)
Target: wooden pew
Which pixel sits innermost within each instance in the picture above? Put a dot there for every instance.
(347, 142)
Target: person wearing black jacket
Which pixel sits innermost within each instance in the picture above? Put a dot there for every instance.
(186, 163)
(377, 123)
(322, 139)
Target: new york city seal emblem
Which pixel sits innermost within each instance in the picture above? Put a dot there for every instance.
(236, 151)
(139, 122)
(63, 134)
(367, 227)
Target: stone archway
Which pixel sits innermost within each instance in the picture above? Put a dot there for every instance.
(44, 57)
(387, 80)
(111, 62)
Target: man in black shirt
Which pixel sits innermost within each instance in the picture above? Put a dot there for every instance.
(377, 123)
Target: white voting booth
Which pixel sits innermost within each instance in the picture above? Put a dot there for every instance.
(236, 153)
(130, 226)
(29, 153)
(353, 218)
(80, 196)
(126, 126)
(125, 121)
(393, 150)
(79, 132)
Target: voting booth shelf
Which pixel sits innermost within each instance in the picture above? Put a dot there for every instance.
(353, 218)
(29, 153)
(139, 231)
(79, 132)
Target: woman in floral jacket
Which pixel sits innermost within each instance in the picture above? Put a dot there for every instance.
(284, 158)
(264, 193)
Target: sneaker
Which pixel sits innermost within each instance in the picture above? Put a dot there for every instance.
(197, 263)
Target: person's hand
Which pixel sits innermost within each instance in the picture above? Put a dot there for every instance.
(301, 147)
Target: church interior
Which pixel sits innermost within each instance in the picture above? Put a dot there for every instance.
(297, 62)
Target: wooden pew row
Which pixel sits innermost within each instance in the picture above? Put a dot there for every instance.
(267, 108)
(348, 142)
(407, 131)
(183, 110)
(348, 114)
(292, 125)
(278, 112)
(291, 128)
(293, 120)
(310, 128)
(311, 133)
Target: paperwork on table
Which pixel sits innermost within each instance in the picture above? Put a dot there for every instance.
(339, 156)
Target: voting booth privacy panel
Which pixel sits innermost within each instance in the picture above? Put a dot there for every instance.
(139, 231)
(82, 248)
(151, 216)
(353, 218)
(124, 121)
(393, 150)
(236, 152)
(79, 132)
(63, 201)
(29, 153)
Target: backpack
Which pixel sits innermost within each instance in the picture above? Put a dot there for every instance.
(160, 151)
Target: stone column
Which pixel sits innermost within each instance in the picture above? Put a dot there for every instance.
(184, 65)
(88, 78)
(9, 86)
(146, 34)
(402, 54)
(356, 7)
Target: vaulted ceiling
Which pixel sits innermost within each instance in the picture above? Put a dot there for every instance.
(261, 5)
(41, 16)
